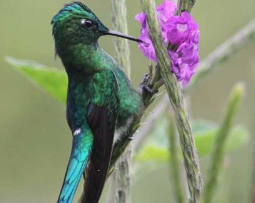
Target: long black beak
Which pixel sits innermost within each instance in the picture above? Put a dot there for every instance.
(119, 34)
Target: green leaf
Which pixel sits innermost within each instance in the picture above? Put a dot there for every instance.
(156, 147)
(51, 80)
(151, 152)
(205, 134)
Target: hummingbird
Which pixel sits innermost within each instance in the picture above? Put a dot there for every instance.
(100, 98)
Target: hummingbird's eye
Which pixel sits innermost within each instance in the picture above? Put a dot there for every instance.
(87, 23)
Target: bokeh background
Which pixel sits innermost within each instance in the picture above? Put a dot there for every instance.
(34, 136)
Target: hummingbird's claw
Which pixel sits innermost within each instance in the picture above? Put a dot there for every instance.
(150, 90)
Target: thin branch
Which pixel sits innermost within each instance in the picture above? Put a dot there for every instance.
(123, 178)
(176, 99)
(220, 143)
(211, 63)
(121, 47)
(253, 183)
(122, 56)
(111, 193)
(185, 5)
(174, 162)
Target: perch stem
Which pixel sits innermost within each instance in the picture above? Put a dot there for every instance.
(189, 151)
(220, 143)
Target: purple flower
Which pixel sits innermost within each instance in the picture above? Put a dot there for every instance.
(141, 17)
(165, 11)
(184, 61)
(180, 28)
(195, 37)
(181, 31)
(147, 48)
(188, 52)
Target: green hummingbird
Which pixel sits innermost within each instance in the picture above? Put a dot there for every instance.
(100, 98)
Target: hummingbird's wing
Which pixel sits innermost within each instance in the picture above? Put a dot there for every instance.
(102, 117)
(81, 147)
(93, 140)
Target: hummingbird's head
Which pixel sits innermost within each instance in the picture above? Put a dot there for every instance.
(75, 23)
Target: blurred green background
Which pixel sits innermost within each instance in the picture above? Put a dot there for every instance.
(34, 137)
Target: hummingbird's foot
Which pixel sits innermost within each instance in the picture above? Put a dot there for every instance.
(150, 90)
(145, 84)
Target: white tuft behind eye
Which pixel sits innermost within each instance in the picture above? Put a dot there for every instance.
(83, 21)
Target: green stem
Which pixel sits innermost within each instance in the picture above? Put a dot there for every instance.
(176, 99)
(185, 5)
(123, 178)
(220, 143)
(119, 23)
(174, 162)
(111, 193)
(122, 56)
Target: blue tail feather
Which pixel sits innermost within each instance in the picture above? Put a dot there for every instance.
(81, 148)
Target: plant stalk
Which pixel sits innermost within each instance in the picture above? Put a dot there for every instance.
(122, 56)
(174, 161)
(220, 143)
(189, 151)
